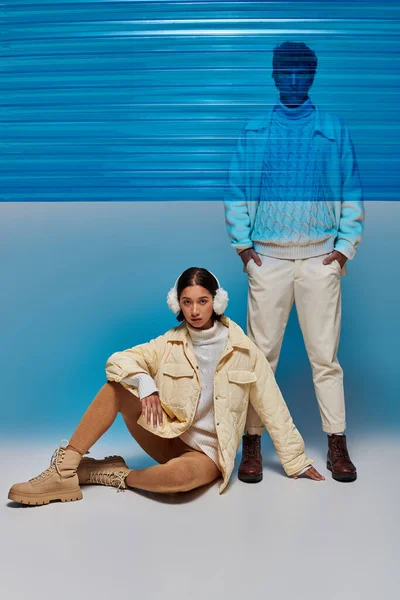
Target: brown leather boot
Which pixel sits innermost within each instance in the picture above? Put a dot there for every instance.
(251, 467)
(338, 460)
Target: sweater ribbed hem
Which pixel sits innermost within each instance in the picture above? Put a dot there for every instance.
(202, 442)
(143, 382)
(292, 251)
(146, 386)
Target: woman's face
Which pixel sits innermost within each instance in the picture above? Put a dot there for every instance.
(197, 306)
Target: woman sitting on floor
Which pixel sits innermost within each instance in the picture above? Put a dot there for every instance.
(184, 399)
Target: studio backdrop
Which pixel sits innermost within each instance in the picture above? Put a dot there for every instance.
(118, 122)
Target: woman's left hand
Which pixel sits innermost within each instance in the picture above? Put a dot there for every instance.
(312, 474)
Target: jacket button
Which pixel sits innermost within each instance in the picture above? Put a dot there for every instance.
(217, 423)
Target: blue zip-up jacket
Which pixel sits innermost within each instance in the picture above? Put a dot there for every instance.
(339, 175)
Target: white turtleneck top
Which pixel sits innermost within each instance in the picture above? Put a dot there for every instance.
(208, 345)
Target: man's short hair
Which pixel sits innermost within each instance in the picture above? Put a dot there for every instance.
(292, 54)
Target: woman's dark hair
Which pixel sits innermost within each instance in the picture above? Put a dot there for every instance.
(197, 276)
(292, 54)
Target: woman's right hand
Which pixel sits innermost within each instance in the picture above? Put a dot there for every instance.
(152, 409)
(249, 254)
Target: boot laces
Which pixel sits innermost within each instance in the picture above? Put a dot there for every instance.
(55, 461)
(251, 447)
(114, 479)
(339, 449)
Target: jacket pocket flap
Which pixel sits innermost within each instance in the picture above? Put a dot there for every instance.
(178, 370)
(242, 376)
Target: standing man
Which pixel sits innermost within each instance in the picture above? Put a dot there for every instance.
(294, 213)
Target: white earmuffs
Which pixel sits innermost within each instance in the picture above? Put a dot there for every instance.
(220, 299)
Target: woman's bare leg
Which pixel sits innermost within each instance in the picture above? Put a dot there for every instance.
(180, 469)
(101, 414)
(186, 472)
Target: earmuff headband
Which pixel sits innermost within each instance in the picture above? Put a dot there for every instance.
(220, 301)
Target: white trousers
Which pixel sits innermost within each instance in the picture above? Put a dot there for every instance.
(315, 288)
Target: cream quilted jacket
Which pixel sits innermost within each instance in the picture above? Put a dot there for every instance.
(243, 374)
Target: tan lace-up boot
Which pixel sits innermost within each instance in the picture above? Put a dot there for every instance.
(111, 470)
(58, 482)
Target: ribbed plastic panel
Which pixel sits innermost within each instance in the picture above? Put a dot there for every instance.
(142, 100)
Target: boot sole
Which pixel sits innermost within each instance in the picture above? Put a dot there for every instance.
(250, 478)
(344, 477)
(41, 499)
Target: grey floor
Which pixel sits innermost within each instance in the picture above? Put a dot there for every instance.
(280, 539)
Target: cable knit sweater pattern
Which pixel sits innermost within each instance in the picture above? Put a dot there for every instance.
(293, 219)
(340, 180)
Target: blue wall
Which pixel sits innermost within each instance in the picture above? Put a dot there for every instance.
(143, 101)
(82, 280)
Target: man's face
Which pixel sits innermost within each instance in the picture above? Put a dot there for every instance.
(293, 83)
